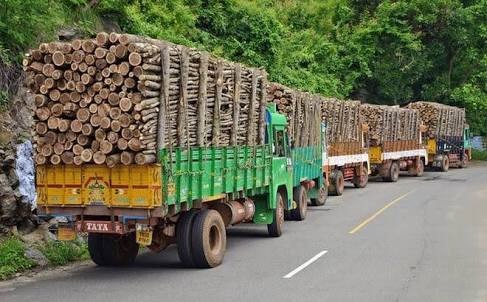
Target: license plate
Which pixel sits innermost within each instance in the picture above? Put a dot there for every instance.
(66, 234)
(143, 235)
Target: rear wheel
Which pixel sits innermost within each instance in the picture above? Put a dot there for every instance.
(112, 250)
(463, 163)
(95, 248)
(445, 163)
(337, 183)
(361, 178)
(300, 196)
(275, 228)
(184, 238)
(393, 175)
(322, 195)
(417, 169)
(209, 239)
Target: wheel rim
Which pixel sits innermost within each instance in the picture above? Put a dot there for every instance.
(280, 211)
(395, 172)
(322, 194)
(304, 204)
(341, 183)
(215, 239)
(363, 176)
(420, 167)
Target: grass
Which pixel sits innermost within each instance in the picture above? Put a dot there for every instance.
(12, 258)
(479, 155)
(63, 252)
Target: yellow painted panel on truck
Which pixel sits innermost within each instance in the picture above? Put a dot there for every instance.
(375, 155)
(122, 186)
(431, 146)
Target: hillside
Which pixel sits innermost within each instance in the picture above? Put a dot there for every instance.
(387, 52)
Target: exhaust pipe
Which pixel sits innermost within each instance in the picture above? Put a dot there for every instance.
(236, 211)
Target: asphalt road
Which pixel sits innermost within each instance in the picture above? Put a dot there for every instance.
(421, 239)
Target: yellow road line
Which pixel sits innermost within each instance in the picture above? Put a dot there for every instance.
(366, 221)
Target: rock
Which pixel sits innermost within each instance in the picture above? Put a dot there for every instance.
(26, 226)
(8, 207)
(41, 234)
(68, 34)
(109, 25)
(36, 255)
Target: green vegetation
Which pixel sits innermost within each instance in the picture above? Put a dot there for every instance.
(12, 257)
(387, 52)
(14, 260)
(479, 155)
(63, 252)
(3, 99)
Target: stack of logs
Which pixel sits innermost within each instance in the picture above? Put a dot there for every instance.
(441, 120)
(302, 111)
(342, 119)
(120, 98)
(390, 123)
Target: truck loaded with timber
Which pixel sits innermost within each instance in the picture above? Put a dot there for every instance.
(446, 135)
(141, 142)
(395, 141)
(307, 141)
(344, 144)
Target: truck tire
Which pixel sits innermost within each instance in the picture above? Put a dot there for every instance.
(95, 249)
(275, 228)
(184, 238)
(418, 169)
(209, 239)
(337, 183)
(112, 250)
(394, 172)
(360, 181)
(322, 196)
(445, 163)
(300, 196)
(463, 162)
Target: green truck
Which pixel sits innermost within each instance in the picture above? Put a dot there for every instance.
(188, 198)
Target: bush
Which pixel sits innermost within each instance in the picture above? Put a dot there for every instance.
(3, 100)
(479, 155)
(63, 252)
(12, 258)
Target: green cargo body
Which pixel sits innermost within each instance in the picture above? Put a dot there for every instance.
(194, 175)
(307, 164)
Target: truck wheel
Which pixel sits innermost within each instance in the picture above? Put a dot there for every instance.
(445, 163)
(418, 168)
(394, 172)
(361, 180)
(301, 197)
(393, 175)
(275, 228)
(95, 249)
(464, 161)
(183, 237)
(112, 250)
(337, 183)
(322, 195)
(209, 239)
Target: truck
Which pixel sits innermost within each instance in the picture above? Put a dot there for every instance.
(446, 135)
(307, 139)
(345, 156)
(195, 159)
(395, 141)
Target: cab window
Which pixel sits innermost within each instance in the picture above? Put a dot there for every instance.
(279, 143)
